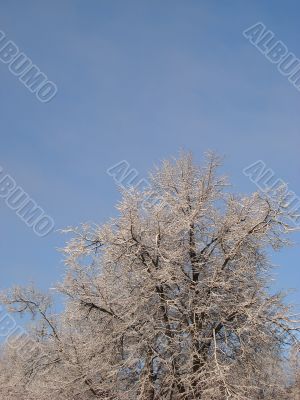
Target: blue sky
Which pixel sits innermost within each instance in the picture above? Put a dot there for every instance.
(138, 80)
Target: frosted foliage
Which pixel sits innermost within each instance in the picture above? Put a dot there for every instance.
(167, 301)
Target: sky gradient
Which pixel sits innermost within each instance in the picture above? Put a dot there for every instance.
(138, 81)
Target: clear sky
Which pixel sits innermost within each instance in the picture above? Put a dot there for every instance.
(138, 80)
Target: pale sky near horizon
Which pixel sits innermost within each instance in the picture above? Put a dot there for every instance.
(138, 81)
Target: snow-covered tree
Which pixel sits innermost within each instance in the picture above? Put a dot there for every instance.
(170, 300)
